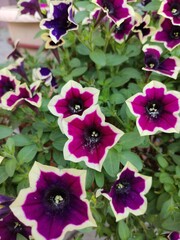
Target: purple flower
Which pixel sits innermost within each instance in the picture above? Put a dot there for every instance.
(55, 202)
(60, 20)
(5, 201)
(168, 34)
(127, 193)
(156, 109)
(18, 67)
(8, 83)
(122, 31)
(141, 28)
(174, 236)
(22, 95)
(73, 99)
(44, 74)
(49, 44)
(168, 67)
(116, 10)
(10, 226)
(89, 137)
(171, 9)
(29, 6)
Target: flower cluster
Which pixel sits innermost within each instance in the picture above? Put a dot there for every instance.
(90, 124)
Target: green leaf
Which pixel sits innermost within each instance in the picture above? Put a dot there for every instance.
(133, 158)
(20, 237)
(80, 15)
(117, 98)
(59, 143)
(124, 76)
(10, 166)
(98, 57)
(89, 178)
(130, 140)
(111, 163)
(3, 174)
(83, 50)
(78, 71)
(99, 178)
(115, 59)
(11, 145)
(172, 223)
(27, 153)
(162, 161)
(21, 140)
(165, 178)
(123, 230)
(5, 131)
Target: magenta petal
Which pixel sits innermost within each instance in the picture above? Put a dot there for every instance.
(134, 201)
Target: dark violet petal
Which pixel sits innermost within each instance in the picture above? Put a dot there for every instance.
(127, 174)
(167, 66)
(138, 184)
(134, 201)
(154, 93)
(174, 236)
(146, 123)
(167, 121)
(29, 7)
(12, 100)
(138, 104)
(118, 204)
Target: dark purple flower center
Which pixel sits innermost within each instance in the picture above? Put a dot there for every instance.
(154, 109)
(92, 138)
(56, 199)
(76, 105)
(152, 62)
(15, 227)
(175, 9)
(175, 32)
(108, 5)
(5, 85)
(123, 187)
(120, 28)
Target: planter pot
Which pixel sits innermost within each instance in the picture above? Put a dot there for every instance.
(21, 27)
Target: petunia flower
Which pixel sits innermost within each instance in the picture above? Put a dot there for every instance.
(49, 44)
(10, 226)
(168, 67)
(127, 193)
(73, 99)
(89, 137)
(170, 9)
(116, 10)
(55, 202)
(5, 201)
(168, 34)
(8, 83)
(156, 109)
(174, 236)
(141, 28)
(44, 74)
(60, 20)
(18, 67)
(22, 95)
(29, 7)
(122, 31)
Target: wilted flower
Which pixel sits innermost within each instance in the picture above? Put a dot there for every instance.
(168, 34)
(127, 193)
(122, 31)
(170, 9)
(10, 226)
(8, 83)
(90, 137)
(141, 28)
(156, 109)
(55, 202)
(49, 44)
(60, 20)
(44, 74)
(168, 67)
(22, 95)
(116, 10)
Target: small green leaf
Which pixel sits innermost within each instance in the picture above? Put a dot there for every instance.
(59, 143)
(165, 178)
(3, 174)
(99, 178)
(123, 230)
(80, 15)
(78, 71)
(98, 57)
(89, 178)
(27, 153)
(117, 98)
(21, 140)
(10, 166)
(20, 237)
(133, 158)
(5, 131)
(111, 163)
(115, 59)
(130, 140)
(83, 50)
(162, 161)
